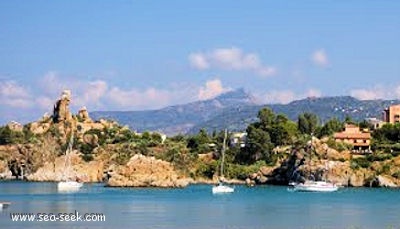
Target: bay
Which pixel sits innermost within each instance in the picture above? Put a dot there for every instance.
(196, 207)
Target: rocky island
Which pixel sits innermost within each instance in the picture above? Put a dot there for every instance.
(274, 152)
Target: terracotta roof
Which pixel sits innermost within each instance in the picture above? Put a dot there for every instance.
(344, 135)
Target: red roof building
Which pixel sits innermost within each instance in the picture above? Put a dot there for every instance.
(360, 139)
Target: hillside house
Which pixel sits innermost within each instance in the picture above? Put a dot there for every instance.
(360, 139)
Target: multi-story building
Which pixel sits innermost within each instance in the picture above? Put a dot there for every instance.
(392, 114)
(360, 139)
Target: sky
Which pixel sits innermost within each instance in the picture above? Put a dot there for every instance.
(135, 55)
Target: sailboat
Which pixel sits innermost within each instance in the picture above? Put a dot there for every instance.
(4, 205)
(221, 187)
(312, 185)
(67, 184)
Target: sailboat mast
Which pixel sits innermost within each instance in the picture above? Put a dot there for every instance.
(309, 161)
(67, 162)
(223, 153)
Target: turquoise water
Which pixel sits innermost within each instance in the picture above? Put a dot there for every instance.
(196, 207)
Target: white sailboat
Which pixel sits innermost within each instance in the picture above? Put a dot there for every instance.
(67, 184)
(4, 205)
(221, 187)
(312, 185)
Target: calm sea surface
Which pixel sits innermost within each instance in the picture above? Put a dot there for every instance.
(196, 207)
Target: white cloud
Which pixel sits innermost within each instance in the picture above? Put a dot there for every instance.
(397, 92)
(313, 93)
(320, 58)
(212, 89)
(135, 98)
(364, 94)
(284, 96)
(11, 89)
(376, 92)
(230, 59)
(45, 103)
(14, 95)
(92, 93)
(198, 60)
(287, 96)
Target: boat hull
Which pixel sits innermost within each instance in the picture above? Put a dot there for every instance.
(318, 186)
(222, 189)
(69, 186)
(4, 205)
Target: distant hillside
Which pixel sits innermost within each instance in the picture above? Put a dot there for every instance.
(180, 118)
(236, 109)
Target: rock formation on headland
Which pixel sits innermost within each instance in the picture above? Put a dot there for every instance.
(81, 170)
(44, 159)
(326, 164)
(142, 171)
(61, 111)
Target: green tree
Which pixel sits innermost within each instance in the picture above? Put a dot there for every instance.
(267, 117)
(8, 136)
(307, 123)
(330, 127)
(348, 120)
(199, 143)
(364, 125)
(259, 145)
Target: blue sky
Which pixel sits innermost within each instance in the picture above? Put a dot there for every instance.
(132, 55)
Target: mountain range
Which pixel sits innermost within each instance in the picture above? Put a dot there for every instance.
(235, 109)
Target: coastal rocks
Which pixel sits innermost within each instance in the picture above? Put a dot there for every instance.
(383, 181)
(79, 170)
(142, 171)
(5, 173)
(357, 179)
(265, 175)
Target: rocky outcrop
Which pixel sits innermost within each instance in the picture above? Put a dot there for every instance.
(15, 126)
(79, 170)
(325, 164)
(142, 171)
(383, 181)
(83, 115)
(5, 173)
(61, 110)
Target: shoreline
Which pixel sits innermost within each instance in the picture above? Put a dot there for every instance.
(194, 183)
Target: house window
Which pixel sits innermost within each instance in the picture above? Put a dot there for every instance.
(355, 141)
(365, 141)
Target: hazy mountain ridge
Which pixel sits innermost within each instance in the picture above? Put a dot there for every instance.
(236, 109)
(178, 118)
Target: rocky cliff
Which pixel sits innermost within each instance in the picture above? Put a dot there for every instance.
(142, 171)
(328, 164)
(79, 170)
